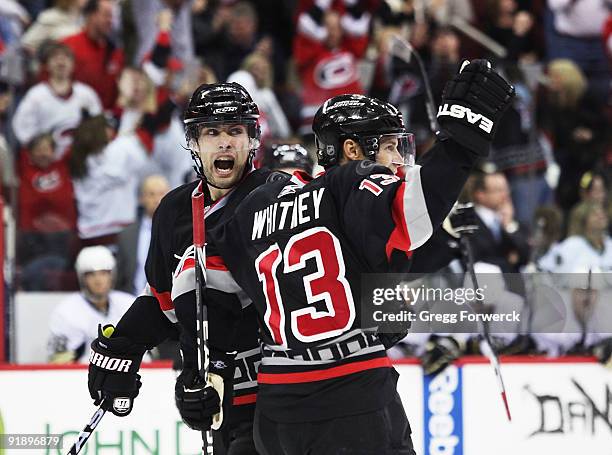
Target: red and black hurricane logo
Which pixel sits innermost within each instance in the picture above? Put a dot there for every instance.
(46, 183)
(335, 71)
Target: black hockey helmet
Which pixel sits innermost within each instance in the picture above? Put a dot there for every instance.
(290, 156)
(356, 117)
(221, 103)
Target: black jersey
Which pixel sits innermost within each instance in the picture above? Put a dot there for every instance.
(299, 249)
(171, 279)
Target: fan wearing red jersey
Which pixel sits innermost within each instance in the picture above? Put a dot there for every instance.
(299, 247)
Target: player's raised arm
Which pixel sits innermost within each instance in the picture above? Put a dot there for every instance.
(384, 211)
(472, 104)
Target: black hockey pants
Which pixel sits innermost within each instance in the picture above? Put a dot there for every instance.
(382, 432)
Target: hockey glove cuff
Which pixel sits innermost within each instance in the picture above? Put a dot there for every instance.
(603, 352)
(472, 105)
(113, 378)
(200, 404)
(440, 351)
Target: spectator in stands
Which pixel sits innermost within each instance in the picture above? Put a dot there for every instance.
(588, 247)
(14, 18)
(98, 61)
(444, 11)
(547, 231)
(326, 49)
(593, 189)
(74, 322)
(395, 13)
(106, 173)
(46, 216)
(55, 105)
(133, 242)
(575, 34)
(587, 250)
(146, 15)
(239, 39)
(572, 116)
(55, 23)
(210, 19)
(607, 36)
(500, 239)
(256, 76)
(45, 193)
(518, 152)
(169, 143)
(137, 97)
(8, 178)
(512, 28)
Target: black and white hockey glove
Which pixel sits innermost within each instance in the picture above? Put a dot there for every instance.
(113, 371)
(440, 351)
(463, 219)
(200, 405)
(603, 352)
(472, 104)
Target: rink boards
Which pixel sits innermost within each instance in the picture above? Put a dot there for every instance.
(561, 406)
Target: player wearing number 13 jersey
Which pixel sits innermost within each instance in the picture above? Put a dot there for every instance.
(299, 247)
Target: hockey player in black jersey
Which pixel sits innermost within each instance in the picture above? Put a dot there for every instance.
(223, 135)
(298, 248)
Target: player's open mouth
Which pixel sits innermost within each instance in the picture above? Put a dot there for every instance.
(224, 166)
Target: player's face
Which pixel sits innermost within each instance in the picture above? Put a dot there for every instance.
(98, 283)
(389, 155)
(224, 150)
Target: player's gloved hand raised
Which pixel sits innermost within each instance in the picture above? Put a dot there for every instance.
(472, 105)
(200, 404)
(113, 371)
(440, 351)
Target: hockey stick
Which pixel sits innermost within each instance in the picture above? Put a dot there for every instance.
(87, 431)
(484, 40)
(486, 346)
(199, 244)
(403, 50)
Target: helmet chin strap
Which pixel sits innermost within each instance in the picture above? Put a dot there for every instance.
(199, 170)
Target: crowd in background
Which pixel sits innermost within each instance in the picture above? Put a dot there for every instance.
(92, 94)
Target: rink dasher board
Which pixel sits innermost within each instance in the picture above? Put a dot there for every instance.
(559, 406)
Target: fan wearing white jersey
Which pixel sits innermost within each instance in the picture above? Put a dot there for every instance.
(55, 105)
(74, 322)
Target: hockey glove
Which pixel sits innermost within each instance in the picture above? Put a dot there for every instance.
(440, 351)
(113, 371)
(472, 105)
(463, 219)
(389, 340)
(603, 352)
(201, 405)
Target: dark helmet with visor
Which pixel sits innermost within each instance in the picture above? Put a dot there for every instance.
(368, 121)
(220, 104)
(290, 156)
